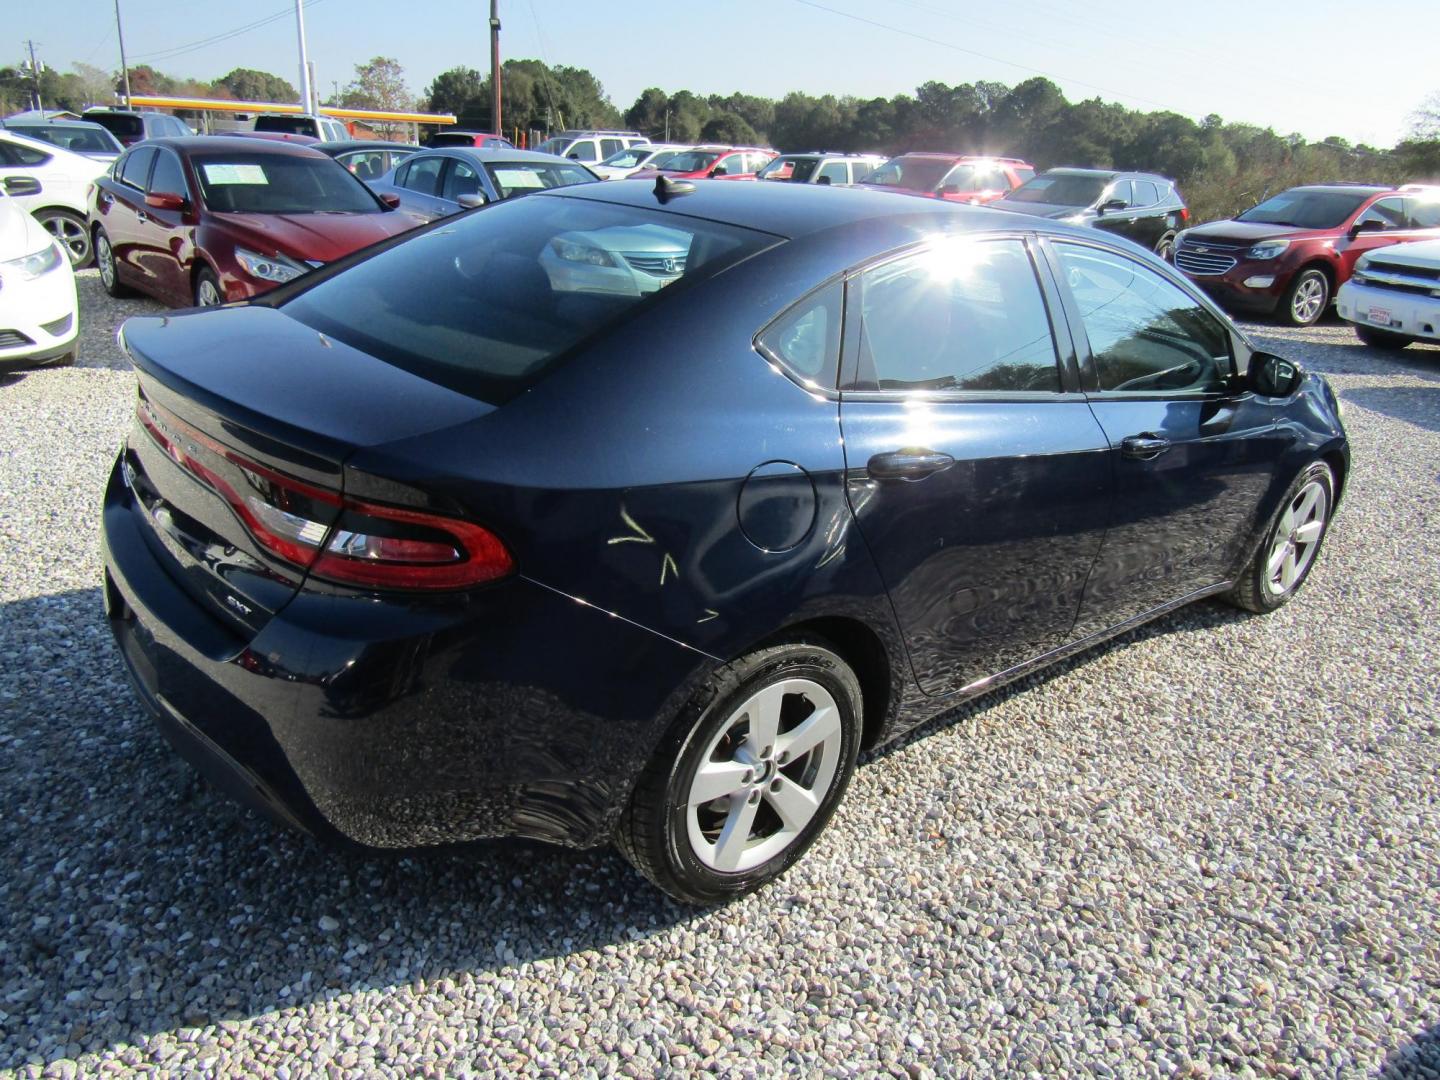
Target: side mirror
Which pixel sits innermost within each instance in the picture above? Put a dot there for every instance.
(20, 186)
(573, 157)
(469, 202)
(1273, 376)
(824, 180)
(1111, 204)
(719, 170)
(1367, 225)
(390, 199)
(166, 200)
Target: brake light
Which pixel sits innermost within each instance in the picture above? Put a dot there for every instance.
(384, 547)
(1184, 215)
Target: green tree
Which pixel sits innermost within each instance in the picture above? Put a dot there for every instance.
(378, 84)
(730, 129)
(464, 92)
(247, 84)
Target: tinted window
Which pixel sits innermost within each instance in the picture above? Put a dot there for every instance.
(121, 125)
(1424, 213)
(1061, 190)
(915, 174)
(835, 171)
(423, 176)
(1146, 194)
(627, 159)
(461, 180)
(692, 160)
(610, 146)
(168, 176)
(1307, 209)
(523, 177)
(1147, 335)
(77, 139)
(963, 315)
(584, 150)
(279, 184)
(1121, 191)
(366, 164)
(136, 167)
(487, 304)
(806, 339)
(15, 154)
(1390, 213)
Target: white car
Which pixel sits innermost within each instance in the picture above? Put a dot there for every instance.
(39, 314)
(640, 156)
(62, 202)
(1393, 296)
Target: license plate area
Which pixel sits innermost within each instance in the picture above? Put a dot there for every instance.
(1379, 316)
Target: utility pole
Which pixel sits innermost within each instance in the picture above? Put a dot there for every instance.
(307, 91)
(495, 81)
(124, 67)
(35, 73)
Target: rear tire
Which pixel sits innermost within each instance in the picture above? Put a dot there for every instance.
(1292, 543)
(1382, 339)
(109, 272)
(1307, 298)
(70, 229)
(748, 776)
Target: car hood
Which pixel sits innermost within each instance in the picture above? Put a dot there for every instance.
(315, 237)
(1039, 209)
(1245, 232)
(20, 234)
(1424, 255)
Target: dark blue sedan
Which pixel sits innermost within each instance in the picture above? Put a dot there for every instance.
(441, 182)
(513, 526)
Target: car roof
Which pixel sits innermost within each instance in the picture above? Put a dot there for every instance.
(1343, 189)
(194, 144)
(484, 154)
(18, 125)
(345, 146)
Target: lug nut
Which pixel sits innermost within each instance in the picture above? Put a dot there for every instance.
(749, 777)
(775, 784)
(767, 751)
(755, 795)
(782, 758)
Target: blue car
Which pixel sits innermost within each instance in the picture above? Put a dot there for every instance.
(465, 537)
(438, 183)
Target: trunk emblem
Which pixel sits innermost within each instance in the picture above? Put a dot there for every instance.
(244, 609)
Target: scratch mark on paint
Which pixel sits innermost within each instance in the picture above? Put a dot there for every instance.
(668, 563)
(709, 614)
(641, 537)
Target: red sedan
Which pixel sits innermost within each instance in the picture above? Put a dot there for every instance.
(207, 220)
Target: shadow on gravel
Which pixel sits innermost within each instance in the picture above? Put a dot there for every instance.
(135, 901)
(1416, 1060)
(1417, 405)
(10, 378)
(1198, 616)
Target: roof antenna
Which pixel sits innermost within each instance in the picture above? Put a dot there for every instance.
(667, 189)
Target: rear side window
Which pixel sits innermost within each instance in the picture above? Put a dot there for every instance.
(806, 339)
(1424, 213)
(962, 315)
(136, 167)
(489, 303)
(1146, 334)
(168, 176)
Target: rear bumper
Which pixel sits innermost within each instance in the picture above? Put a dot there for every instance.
(512, 711)
(1409, 314)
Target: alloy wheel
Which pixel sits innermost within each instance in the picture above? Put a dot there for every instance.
(206, 294)
(1309, 299)
(72, 237)
(764, 775)
(105, 260)
(1297, 537)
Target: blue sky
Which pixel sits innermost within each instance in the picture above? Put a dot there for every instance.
(1305, 69)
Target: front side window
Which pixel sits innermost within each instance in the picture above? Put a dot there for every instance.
(1122, 192)
(135, 168)
(423, 176)
(1146, 334)
(462, 180)
(168, 176)
(366, 164)
(1388, 214)
(487, 304)
(961, 315)
(1063, 189)
(1423, 213)
(834, 171)
(806, 339)
(279, 184)
(584, 150)
(626, 159)
(611, 147)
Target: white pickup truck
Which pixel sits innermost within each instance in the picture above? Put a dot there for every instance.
(1393, 297)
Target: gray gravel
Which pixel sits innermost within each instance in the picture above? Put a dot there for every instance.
(1207, 849)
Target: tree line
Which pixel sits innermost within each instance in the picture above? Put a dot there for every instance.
(1222, 167)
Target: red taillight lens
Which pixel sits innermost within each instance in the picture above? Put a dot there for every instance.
(383, 547)
(1184, 215)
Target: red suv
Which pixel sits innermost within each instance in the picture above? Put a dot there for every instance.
(958, 177)
(206, 220)
(1290, 254)
(713, 162)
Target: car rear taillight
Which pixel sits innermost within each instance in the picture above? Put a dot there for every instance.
(1184, 215)
(370, 545)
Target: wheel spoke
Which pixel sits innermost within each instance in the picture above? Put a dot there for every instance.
(716, 779)
(1277, 559)
(1306, 509)
(816, 728)
(794, 804)
(735, 834)
(1288, 570)
(1309, 532)
(1287, 523)
(764, 713)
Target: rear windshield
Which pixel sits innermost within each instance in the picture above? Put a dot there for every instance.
(451, 138)
(1061, 190)
(1307, 209)
(527, 177)
(692, 160)
(79, 140)
(915, 174)
(121, 125)
(280, 184)
(291, 125)
(487, 303)
(796, 169)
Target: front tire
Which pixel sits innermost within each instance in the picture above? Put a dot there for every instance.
(1307, 298)
(1287, 554)
(71, 231)
(748, 776)
(1382, 339)
(207, 289)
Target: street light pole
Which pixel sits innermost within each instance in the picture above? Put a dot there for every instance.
(124, 67)
(495, 77)
(307, 90)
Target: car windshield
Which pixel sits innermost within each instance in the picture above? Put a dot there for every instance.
(525, 177)
(552, 146)
(121, 125)
(280, 184)
(1307, 209)
(692, 160)
(797, 169)
(627, 159)
(78, 140)
(486, 304)
(914, 174)
(1061, 190)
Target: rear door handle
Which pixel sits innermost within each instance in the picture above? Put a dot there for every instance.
(141, 215)
(1144, 447)
(908, 464)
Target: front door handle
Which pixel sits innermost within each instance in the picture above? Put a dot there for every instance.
(907, 464)
(1144, 447)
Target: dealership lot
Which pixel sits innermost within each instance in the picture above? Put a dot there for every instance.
(1209, 844)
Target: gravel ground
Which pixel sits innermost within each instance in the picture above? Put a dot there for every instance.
(1206, 849)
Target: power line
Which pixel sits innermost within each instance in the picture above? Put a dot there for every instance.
(215, 39)
(975, 52)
